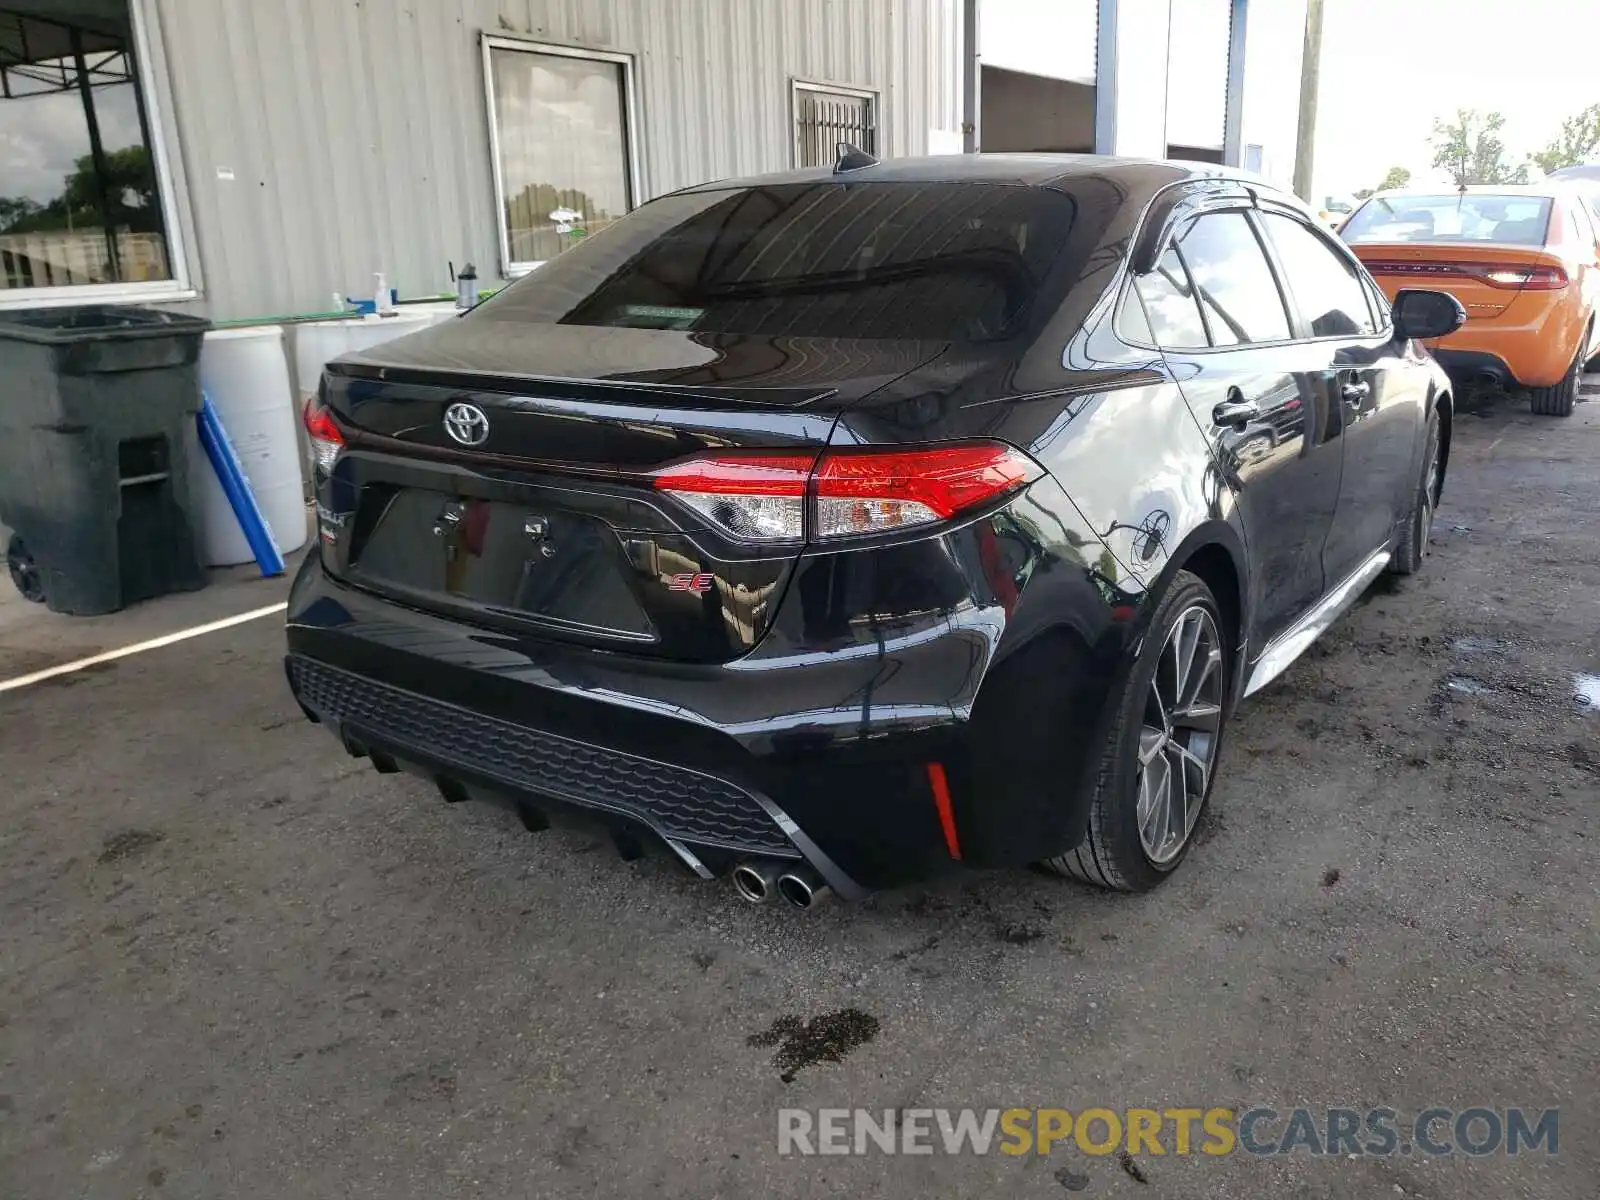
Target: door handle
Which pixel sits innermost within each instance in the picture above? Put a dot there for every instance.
(1235, 410)
(1355, 392)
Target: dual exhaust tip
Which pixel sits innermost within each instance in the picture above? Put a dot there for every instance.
(758, 882)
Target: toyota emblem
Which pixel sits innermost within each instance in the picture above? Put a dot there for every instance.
(467, 424)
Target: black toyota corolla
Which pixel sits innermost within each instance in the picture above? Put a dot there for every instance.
(836, 527)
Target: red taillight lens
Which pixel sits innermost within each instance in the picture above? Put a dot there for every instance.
(765, 496)
(872, 491)
(1533, 279)
(326, 441)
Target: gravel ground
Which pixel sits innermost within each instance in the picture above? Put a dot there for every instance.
(235, 962)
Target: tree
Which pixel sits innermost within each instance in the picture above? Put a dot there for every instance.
(1470, 150)
(15, 210)
(1578, 142)
(1398, 177)
(1361, 193)
(129, 182)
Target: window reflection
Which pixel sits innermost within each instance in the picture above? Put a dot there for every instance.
(79, 202)
(561, 126)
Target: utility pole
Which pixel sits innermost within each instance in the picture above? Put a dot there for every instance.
(1305, 143)
(971, 80)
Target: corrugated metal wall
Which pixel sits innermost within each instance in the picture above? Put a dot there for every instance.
(356, 135)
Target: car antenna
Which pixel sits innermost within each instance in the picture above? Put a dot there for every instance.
(852, 158)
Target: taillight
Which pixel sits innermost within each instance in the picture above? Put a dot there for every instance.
(761, 497)
(1533, 279)
(1542, 277)
(844, 493)
(326, 441)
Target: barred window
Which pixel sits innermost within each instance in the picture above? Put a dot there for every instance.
(824, 116)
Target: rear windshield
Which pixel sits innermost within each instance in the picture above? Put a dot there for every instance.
(1505, 220)
(944, 261)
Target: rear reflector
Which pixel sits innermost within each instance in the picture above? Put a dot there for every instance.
(940, 786)
(765, 496)
(1540, 277)
(326, 441)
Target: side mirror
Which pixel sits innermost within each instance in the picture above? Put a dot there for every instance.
(1423, 314)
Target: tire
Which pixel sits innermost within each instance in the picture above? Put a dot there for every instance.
(1129, 845)
(24, 571)
(1557, 401)
(1413, 544)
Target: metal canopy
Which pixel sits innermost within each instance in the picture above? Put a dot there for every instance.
(58, 45)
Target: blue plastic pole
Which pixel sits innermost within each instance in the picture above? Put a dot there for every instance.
(236, 486)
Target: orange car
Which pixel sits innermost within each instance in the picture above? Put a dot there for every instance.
(1523, 261)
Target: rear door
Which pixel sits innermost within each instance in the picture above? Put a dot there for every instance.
(1376, 397)
(1259, 395)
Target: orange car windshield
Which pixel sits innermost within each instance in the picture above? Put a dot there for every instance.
(1500, 220)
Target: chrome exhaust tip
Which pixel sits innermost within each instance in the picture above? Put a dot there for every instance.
(802, 888)
(755, 881)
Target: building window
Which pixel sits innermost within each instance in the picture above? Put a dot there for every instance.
(825, 115)
(85, 204)
(562, 132)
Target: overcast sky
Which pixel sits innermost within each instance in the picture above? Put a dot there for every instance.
(42, 136)
(1389, 67)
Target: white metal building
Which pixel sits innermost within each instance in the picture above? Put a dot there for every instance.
(253, 159)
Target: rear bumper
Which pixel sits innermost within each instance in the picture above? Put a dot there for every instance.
(1531, 344)
(791, 752)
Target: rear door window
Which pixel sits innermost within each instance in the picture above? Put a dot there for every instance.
(1238, 294)
(1325, 287)
(1171, 306)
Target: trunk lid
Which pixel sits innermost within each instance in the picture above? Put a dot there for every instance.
(1485, 278)
(540, 515)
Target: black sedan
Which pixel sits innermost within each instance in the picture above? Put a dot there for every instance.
(837, 527)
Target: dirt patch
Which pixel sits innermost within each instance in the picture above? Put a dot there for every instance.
(129, 843)
(827, 1038)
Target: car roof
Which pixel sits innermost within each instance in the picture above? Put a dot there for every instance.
(1026, 170)
(1548, 189)
(1589, 172)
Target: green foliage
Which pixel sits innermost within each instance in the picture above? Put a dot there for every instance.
(1398, 177)
(1471, 151)
(1577, 143)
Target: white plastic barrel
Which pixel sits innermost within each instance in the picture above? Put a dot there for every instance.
(316, 343)
(246, 374)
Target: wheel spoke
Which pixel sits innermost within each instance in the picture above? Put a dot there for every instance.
(1150, 742)
(1202, 715)
(1199, 677)
(1178, 823)
(1156, 828)
(1186, 643)
(1192, 769)
(1156, 710)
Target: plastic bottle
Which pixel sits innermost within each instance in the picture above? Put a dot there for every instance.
(467, 287)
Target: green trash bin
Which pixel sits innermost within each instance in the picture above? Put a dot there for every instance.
(95, 403)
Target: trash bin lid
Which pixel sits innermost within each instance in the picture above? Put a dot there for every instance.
(96, 323)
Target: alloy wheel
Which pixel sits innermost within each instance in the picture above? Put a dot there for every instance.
(1178, 737)
(1430, 492)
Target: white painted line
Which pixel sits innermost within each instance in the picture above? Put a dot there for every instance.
(183, 635)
